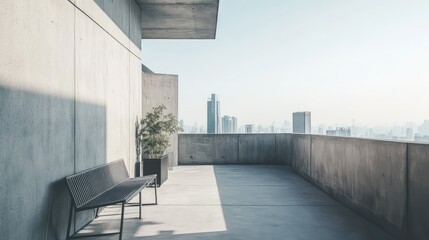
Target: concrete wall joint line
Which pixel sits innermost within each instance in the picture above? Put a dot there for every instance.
(407, 190)
(74, 98)
(275, 148)
(74, 90)
(238, 149)
(311, 154)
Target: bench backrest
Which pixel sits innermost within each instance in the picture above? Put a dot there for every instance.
(87, 185)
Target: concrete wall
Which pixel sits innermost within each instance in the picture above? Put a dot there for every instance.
(385, 181)
(70, 88)
(161, 89)
(368, 176)
(284, 149)
(234, 148)
(301, 155)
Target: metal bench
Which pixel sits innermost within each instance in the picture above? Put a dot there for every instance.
(102, 186)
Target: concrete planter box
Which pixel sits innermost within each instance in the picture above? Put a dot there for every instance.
(157, 166)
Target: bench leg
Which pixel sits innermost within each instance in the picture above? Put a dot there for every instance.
(122, 221)
(156, 196)
(140, 205)
(70, 220)
(96, 213)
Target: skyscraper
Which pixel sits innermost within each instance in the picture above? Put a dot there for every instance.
(234, 124)
(226, 124)
(213, 115)
(302, 122)
(229, 124)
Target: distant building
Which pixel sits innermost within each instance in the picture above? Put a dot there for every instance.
(234, 124)
(424, 128)
(301, 122)
(213, 115)
(229, 124)
(182, 124)
(420, 138)
(410, 134)
(321, 131)
(226, 124)
(287, 127)
(341, 131)
(248, 128)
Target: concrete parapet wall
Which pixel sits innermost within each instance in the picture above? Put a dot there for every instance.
(367, 175)
(301, 154)
(284, 149)
(234, 149)
(387, 182)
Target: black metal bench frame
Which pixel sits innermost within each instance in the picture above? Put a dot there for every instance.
(103, 186)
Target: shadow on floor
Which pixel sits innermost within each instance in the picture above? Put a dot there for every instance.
(245, 202)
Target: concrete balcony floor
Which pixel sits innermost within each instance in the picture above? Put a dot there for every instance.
(238, 202)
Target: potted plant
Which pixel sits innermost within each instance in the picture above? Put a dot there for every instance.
(155, 131)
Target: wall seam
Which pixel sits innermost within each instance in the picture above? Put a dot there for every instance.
(74, 100)
(407, 189)
(311, 155)
(238, 149)
(275, 148)
(129, 88)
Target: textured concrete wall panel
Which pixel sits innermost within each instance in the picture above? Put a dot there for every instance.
(226, 149)
(301, 154)
(92, 46)
(257, 149)
(418, 191)
(64, 107)
(36, 116)
(197, 149)
(162, 89)
(135, 104)
(112, 16)
(284, 148)
(118, 103)
(367, 175)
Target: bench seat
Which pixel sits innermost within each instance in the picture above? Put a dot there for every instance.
(121, 193)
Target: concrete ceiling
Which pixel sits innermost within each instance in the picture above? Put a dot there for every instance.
(178, 19)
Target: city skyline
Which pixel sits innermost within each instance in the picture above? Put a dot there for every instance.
(407, 132)
(302, 123)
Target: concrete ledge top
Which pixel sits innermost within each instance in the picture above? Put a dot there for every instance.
(179, 19)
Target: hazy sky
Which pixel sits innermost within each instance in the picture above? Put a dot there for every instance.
(362, 60)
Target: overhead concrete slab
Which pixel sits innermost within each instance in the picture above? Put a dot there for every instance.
(179, 19)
